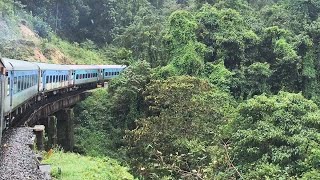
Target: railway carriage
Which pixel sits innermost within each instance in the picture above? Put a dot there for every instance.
(84, 74)
(53, 77)
(20, 83)
(24, 83)
(110, 71)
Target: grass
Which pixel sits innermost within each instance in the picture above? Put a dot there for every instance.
(70, 166)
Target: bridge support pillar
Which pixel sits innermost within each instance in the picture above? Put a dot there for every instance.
(39, 131)
(52, 132)
(65, 128)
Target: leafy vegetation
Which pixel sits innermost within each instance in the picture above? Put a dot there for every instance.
(214, 89)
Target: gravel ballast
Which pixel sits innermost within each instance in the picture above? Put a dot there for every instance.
(17, 160)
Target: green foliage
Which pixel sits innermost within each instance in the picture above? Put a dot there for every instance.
(71, 166)
(187, 53)
(74, 51)
(90, 132)
(276, 137)
(219, 75)
(185, 122)
(126, 95)
(173, 121)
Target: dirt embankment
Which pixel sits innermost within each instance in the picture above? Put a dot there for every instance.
(24, 43)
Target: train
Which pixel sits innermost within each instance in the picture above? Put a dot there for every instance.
(24, 83)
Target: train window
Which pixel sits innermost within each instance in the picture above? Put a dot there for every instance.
(27, 78)
(53, 79)
(77, 77)
(47, 79)
(26, 84)
(19, 84)
(26, 81)
(30, 80)
(59, 78)
(8, 87)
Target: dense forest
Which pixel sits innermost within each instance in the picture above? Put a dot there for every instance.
(214, 89)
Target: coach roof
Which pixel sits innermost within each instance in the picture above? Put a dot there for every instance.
(82, 67)
(58, 67)
(12, 64)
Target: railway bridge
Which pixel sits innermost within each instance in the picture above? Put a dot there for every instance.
(55, 117)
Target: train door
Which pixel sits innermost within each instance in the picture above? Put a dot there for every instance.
(2, 122)
(71, 77)
(41, 80)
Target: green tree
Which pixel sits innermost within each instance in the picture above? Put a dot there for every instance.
(276, 137)
(126, 95)
(181, 135)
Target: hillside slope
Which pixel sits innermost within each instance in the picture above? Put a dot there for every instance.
(19, 40)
